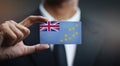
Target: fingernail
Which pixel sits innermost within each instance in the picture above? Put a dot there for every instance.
(44, 45)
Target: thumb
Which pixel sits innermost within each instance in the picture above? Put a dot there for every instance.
(35, 48)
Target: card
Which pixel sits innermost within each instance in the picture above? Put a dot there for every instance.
(60, 32)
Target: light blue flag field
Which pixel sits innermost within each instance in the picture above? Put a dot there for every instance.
(60, 32)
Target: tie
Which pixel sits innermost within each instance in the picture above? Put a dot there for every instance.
(60, 55)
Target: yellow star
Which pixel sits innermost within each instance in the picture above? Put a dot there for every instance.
(65, 39)
(76, 25)
(65, 35)
(73, 28)
(73, 35)
(76, 33)
(61, 41)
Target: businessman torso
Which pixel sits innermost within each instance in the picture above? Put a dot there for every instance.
(94, 50)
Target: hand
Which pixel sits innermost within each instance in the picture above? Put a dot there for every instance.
(12, 35)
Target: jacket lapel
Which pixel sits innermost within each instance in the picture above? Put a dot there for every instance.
(92, 41)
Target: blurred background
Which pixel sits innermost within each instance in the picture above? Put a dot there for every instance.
(96, 13)
(15, 9)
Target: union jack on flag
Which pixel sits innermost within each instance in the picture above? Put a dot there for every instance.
(50, 26)
(60, 32)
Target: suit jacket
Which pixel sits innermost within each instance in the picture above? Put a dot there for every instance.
(98, 45)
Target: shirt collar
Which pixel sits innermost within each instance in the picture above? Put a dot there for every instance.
(75, 17)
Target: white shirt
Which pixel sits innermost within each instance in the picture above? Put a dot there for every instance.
(69, 48)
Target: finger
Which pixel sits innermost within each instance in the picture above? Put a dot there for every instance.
(24, 30)
(9, 36)
(40, 47)
(0, 28)
(33, 19)
(17, 31)
(35, 48)
(1, 38)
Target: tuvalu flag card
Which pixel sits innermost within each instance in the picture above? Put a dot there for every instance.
(60, 32)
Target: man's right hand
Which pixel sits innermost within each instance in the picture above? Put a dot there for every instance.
(12, 35)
